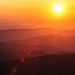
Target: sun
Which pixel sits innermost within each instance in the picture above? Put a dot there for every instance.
(58, 8)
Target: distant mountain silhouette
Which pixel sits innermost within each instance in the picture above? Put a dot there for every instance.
(35, 42)
(22, 34)
(41, 45)
(63, 42)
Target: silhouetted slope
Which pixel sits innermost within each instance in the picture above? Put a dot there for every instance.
(44, 65)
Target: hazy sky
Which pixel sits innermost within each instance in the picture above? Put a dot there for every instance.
(36, 13)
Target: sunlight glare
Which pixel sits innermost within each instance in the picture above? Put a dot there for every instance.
(58, 8)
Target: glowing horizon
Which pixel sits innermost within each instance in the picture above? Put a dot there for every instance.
(36, 13)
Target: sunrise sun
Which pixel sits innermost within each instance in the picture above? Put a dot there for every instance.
(58, 8)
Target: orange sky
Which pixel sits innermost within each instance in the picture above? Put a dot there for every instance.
(36, 13)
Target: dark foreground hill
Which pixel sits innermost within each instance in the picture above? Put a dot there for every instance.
(43, 65)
